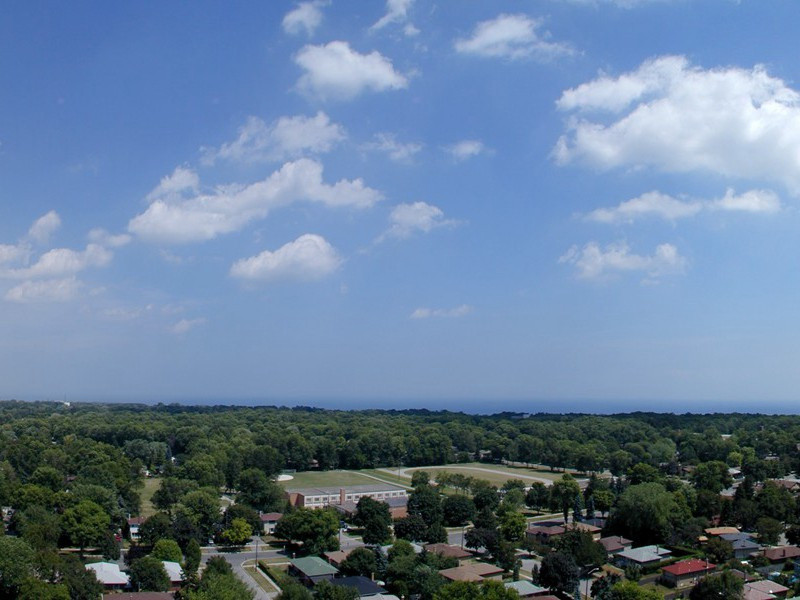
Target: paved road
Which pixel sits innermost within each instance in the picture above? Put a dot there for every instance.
(236, 560)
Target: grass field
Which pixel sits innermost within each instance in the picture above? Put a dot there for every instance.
(327, 479)
(496, 474)
(151, 484)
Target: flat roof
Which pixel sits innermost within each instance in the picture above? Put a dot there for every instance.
(313, 566)
(348, 489)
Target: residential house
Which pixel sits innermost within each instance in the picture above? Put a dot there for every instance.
(449, 550)
(473, 572)
(174, 572)
(719, 531)
(764, 590)
(544, 533)
(310, 570)
(269, 521)
(615, 544)
(744, 548)
(781, 554)
(526, 589)
(642, 556)
(593, 530)
(365, 587)
(134, 523)
(109, 575)
(686, 573)
(337, 557)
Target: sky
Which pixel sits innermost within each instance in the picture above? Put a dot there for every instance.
(401, 203)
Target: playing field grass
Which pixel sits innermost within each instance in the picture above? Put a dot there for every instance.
(151, 484)
(327, 479)
(495, 474)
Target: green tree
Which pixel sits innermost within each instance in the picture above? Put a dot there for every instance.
(469, 590)
(39, 526)
(559, 572)
(718, 550)
(457, 510)
(360, 561)
(327, 591)
(81, 583)
(769, 530)
(16, 565)
(645, 513)
(424, 502)
(724, 586)
(603, 500)
(167, 550)
(581, 547)
(316, 529)
(85, 524)
(419, 478)
(644, 473)
(412, 528)
(35, 589)
(513, 526)
(258, 491)
(537, 495)
(374, 517)
(203, 509)
(629, 590)
(148, 575)
(294, 591)
(238, 534)
(156, 527)
(563, 492)
(193, 557)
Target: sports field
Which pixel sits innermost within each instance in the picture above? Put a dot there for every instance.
(327, 479)
(495, 474)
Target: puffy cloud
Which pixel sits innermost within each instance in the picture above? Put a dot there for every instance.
(678, 118)
(656, 204)
(230, 208)
(10, 253)
(409, 218)
(466, 149)
(308, 258)
(186, 325)
(63, 261)
(288, 137)
(44, 227)
(427, 313)
(594, 262)
(396, 12)
(512, 37)
(336, 71)
(50, 290)
(180, 181)
(307, 16)
(397, 151)
(108, 240)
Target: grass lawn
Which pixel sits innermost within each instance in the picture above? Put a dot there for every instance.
(151, 484)
(393, 477)
(327, 479)
(259, 578)
(496, 474)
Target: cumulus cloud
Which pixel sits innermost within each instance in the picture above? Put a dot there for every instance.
(663, 206)
(675, 117)
(427, 313)
(229, 208)
(287, 137)
(307, 16)
(63, 261)
(186, 325)
(397, 151)
(512, 37)
(51, 290)
(465, 149)
(336, 71)
(182, 180)
(407, 219)
(308, 258)
(44, 227)
(595, 263)
(104, 238)
(10, 253)
(396, 12)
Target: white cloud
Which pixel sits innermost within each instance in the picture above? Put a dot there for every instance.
(306, 17)
(336, 71)
(180, 181)
(51, 290)
(12, 253)
(397, 151)
(466, 149)
(230, 208)
(44, 227)
(186, 325)
(410, 30)
(396, 12)
(60, 262)
(512, 37)
(288, 137)
(594, 262)
(108, 240)
(664, 206)
(678, 118)
(407, 219)
(427, 313)
(308, 258)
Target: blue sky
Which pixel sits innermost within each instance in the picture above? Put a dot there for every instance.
(406, 202)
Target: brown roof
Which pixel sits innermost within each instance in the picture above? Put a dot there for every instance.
(586, 527)
(688, 567)
(139, 596)
(460, 574)
(273, 516)
(546, 530)
(448, 550)
(337, 556)
(781, 553)
(721, 530)
(136, 520)
(614, 542)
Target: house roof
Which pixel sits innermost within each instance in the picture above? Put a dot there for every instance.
(136, 520)
(448, 550)
(174, 571)
(739, 535)
(688, 567)
(364, 585)
(766, 586)
(781, 553)
(108, 573)
(546, 530)
(313, 566)
(585, 527)
(614, 542)
(337, 556)
(273, 516)
(460, 574)
(721, 530)
(645, 554)
(744, 544)
(525, 588)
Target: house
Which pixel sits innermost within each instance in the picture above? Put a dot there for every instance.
(269, 521)
(615, 544)
(365, 587)
(593, 530)
(792, 485)
(333, 496)
(310, 570)
(473, 572)
(398, 508)
(781, 553)
(134, 524)
(686, 573)
(764, 589)
(744, 548)
(642, 556)
(109, 575)
(174, 572)
(718, 531)
(544, 532)
(448, 551)
(337, 557)
(526, 589)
